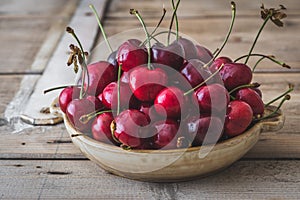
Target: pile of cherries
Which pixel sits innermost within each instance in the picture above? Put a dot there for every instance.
(163, 96)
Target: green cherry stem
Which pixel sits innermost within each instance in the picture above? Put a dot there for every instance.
(137, 14)
(280, 96)
(101, 27)
(59, 87)
(118, 85)
(233, 15)
(176, 18)
(252, 85)
(257, 36)
(86, 118)
(83, 64)
(171, 23)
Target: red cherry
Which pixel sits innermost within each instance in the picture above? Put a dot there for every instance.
(190, 50)
(208, 129)
(76, 109)
(212, 97)
(112, 59)
(238, 118)
(146, 84)
(96, 101)
(130, 127)
(165, 134)
(148, 109)
(66, 96)
(131, 54)
(235, 74)
(171, 56)
(171, 102)
(101, 128)
(101, 74)
(125, 77)
(218, 63)
(204, 54)
(251, 97)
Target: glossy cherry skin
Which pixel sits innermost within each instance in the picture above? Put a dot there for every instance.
(204, 54)
(238, 118)
(190, 50)
(212, 97)
(204, 129)
(235, 74)
(170, 102)
(101, 128)
(112, 59)
(130, 54)
(194, 72)
(165, 134)
(96, 101)
(148, 109)
(218, 62)
(101, 74)
(251, 97)
(78, 108)
(66, 96)
(125, 77)
(130, 128)
(171, 56)
(146, 84)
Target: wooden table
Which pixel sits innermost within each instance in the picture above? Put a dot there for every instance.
(40, 162)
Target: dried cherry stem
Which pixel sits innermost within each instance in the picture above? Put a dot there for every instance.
(59, 87)
(118, 85)
(101, 27)
(82, 64)
(285, 98)
(252, 85)
(171, 23)
(86, 118)
(202, 83)
(233, 14)
(291, 88)
(137, 14)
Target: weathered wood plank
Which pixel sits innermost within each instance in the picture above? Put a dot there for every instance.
(84, 180)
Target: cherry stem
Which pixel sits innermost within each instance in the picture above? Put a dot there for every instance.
(157, 34)
(286, 97)
(59, 87)
(101, 27)
(280, 96)
(233, 9)
(252, 85)
(83, 64)
(86, 118)
(176, 18)
(257, 36)
(171, 23)
(202, 83)
(112, 130)
(137, 14)
(118, 85)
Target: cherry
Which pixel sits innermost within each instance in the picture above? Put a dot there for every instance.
(171, 102)
(235, 74)
(66, 96)
(146, 84)
(130, 54)
(194, 72)
(212, 97)
(112, 59)
(217, 63)
(78, 108)
(258, 91)
(204, 54)
(100, 74)
(125, 77)
(251, 97)
(165, 134)
(171, 56)
(238, 118)
(204, 129)
(190, 50)
(101, 128)
(149, 110)
(130, 128)
(96, 101)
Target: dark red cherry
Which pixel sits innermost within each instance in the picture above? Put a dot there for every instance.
(238, 118)
(194, 72)
(171, 56)
(130, 128)
(170, 102)
(130, 54)
(190, 50)
(96, 101)
(101, 74)
(146, 84)
(258, 91)
(112, 59)
(235, 74)
(66, 96)
(125, 77)
(101, 128)
(204, 129)
(165, 134)
(212, 97)
(218, 62)
(251, 97)
(204, 54)
(76, 109)
(148, 109)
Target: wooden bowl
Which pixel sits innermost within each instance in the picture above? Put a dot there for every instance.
(172, 165)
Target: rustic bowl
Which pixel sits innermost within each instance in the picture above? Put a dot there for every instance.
(171, 165)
